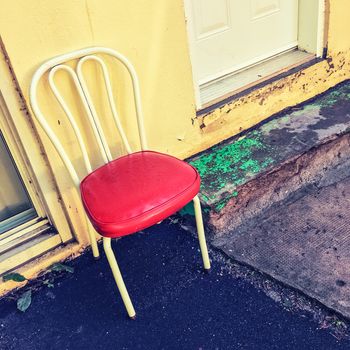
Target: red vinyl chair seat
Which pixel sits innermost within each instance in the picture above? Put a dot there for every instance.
(137, 191)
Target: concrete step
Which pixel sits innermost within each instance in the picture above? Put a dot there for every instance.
(304, 243)
(303, 147)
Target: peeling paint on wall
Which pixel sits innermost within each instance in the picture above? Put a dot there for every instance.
(301, 85)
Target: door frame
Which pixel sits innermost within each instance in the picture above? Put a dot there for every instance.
(32, 163)
(321, 39)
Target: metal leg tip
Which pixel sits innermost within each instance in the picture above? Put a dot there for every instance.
(133, 317)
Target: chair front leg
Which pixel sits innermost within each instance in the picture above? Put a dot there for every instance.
(201, 235)
(118, 277)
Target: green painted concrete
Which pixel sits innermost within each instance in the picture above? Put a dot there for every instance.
(225, 167)
(231, 164)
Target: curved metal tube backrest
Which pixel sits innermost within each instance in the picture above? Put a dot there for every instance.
(77, 76)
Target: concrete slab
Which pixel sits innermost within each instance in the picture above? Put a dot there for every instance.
(305, 243)
(247, 174)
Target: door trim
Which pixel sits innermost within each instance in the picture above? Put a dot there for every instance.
(53, 221)
(320, 39)
(246, 65)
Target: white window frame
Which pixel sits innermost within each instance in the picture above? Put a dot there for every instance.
(52, 227)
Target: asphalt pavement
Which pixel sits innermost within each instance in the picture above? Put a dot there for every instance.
(178, 306)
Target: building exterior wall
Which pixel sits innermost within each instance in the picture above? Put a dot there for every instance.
(152, 34)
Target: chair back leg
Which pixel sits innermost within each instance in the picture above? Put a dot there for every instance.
(93, 240)
(118, 277)
(201, 235)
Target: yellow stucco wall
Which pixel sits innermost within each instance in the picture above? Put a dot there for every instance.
(152, 34)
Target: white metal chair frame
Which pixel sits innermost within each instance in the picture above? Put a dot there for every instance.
(77, 76)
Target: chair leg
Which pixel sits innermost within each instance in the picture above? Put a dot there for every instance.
(201, 235)
(118, 277)
(93, 241)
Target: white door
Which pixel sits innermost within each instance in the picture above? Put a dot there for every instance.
(228, 35)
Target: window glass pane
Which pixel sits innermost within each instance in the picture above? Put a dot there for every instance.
(15, 204)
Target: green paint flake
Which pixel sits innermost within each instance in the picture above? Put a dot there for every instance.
(204, 197)
(220, 205)
(232, 164)
(333, 97)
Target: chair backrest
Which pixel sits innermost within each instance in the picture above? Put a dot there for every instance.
(77, 76)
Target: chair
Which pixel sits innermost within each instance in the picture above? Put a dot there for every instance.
(141, 188)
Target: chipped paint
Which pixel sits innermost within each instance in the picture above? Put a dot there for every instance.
(288, 91)
(226, 167)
